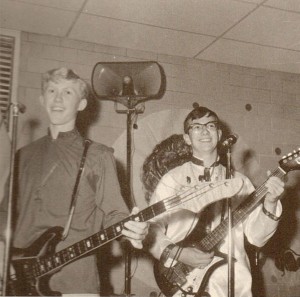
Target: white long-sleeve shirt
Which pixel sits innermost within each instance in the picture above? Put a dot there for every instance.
(257, 227)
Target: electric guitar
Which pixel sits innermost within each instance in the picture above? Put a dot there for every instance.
(181, 279)
(36, 264)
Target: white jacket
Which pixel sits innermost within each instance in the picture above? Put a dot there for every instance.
(257, 227)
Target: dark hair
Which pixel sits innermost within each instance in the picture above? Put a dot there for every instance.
(197, 113)
(168, 154)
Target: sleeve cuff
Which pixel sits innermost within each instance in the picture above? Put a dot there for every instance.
(278, 212)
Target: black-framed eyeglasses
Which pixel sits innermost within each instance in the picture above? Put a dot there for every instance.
(210, 126)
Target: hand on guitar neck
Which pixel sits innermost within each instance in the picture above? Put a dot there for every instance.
(135, 232)
(186, 277)
(275, 188)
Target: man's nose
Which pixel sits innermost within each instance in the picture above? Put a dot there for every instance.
(205, 129)
(58, 97)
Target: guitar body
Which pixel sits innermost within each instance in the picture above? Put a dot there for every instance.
(36, 264)
(183, 280)
(27, 282)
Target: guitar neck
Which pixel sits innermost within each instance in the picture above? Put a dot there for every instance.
(48, 263)
(211, 240)
(209, 193)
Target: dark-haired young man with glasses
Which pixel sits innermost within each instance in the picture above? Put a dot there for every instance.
(202, 132)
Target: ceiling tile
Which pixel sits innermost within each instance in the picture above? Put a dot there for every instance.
(137, 36)
(251, 55)
(259, 33)
(291, 5)
(36, 19)
(73, 5)
(268, 26)
(252, 1)
(210, 17)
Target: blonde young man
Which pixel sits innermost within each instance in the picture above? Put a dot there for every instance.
(47, 171)
(202, 132)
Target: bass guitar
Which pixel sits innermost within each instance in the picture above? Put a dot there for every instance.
(181, 279)
(35, 265)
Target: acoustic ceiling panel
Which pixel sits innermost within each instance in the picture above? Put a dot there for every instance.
(27, 17)
(204, 17)
(137, 36)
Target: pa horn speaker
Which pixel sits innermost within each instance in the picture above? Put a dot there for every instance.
(128, 82)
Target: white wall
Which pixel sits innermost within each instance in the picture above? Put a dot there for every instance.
(273, 121)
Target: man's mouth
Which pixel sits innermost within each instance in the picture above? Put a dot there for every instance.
(205, 140)
(57, 108)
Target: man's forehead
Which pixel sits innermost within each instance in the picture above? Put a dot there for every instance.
(64, 83)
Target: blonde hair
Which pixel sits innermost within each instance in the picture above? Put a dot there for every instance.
(57, 74)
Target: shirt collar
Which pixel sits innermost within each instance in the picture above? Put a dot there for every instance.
(200, 162)
(65, 135)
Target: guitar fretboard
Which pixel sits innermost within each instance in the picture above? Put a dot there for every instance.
(209, 193)
(46, 264)
(238, 215)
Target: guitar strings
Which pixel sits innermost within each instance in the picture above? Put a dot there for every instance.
(184, 196)
(260, 190)
(167, 203)
(174, 200)
(187, 195)
(210, 240)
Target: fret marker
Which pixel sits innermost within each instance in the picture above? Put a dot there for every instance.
(88, 243)
(118, 228)
(71, 252)
(137, 219)
(153, 211)
(102, 237)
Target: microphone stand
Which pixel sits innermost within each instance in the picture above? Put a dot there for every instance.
(230, 239)
(15, 113)
(131, 110)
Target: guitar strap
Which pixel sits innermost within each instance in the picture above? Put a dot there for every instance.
(75, 189)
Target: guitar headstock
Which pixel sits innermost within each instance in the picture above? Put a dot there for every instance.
(291, 161)
(197, 197)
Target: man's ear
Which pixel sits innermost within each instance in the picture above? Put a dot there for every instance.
(82, 104)
(219, 134)
(187, 139)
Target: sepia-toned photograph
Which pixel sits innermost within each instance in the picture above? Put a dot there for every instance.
(150, 148)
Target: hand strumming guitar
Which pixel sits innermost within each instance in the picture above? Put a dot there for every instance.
(194, 257)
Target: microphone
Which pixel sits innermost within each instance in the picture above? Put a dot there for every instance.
(21, 107)
(230, 140)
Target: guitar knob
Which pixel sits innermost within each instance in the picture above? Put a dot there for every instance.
(183, 295)
(190, 289)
